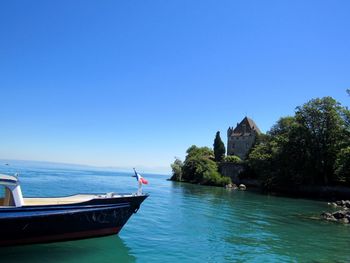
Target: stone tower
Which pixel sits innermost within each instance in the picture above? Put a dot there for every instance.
(241, 139)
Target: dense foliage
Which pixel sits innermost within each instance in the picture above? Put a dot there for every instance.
(219, 148)
(233, 159)
(199, 167)
(343, 165)
(310, 148)
(177, 170)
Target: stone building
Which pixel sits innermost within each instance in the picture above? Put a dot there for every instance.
(241, 139)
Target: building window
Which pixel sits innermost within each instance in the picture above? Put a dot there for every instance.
(233, 145)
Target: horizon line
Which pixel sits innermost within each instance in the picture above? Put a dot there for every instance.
(115, 168)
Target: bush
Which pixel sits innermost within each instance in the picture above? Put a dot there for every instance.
(199, 167)
(233, 159)
(177, 170)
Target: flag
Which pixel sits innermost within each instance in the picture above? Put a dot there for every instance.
(139, 178)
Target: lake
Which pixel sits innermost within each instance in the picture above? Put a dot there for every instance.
(181, 222)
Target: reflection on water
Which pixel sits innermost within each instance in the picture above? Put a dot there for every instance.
(106, 249)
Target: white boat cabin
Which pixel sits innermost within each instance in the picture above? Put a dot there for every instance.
(10, 191)
(11, 195)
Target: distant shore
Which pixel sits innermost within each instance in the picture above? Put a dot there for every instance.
(325, 193)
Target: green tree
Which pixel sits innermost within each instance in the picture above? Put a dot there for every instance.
(260, 163)
(304, 149)
(219, 148)
(177, 170)
(283, 127)
(233, 159)
(289, 152)
(322, 129)
(342, 165)
(200, 167)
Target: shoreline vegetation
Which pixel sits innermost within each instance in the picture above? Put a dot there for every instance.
(199, 167)
(305, 155)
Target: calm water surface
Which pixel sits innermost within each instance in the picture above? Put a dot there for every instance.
(187, 223)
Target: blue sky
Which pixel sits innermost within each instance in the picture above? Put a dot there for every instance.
(135, 83)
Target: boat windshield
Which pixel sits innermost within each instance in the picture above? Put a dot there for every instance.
(6, 198)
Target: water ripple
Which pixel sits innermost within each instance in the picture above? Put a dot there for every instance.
(189, 223)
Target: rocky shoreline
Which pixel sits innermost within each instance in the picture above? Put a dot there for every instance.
(342, 215)
(241, 187)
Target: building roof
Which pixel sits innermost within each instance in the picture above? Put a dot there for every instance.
(246, 126)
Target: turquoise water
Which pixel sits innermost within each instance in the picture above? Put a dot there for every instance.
(187, 223)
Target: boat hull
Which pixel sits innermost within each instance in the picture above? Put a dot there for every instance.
(52, 223)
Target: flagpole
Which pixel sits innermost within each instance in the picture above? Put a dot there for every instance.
(140, 181)
(139, 189)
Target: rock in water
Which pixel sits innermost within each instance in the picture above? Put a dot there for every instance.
(231, 186)
(242, 187)
(328, 216)
(341, 216)
(344, 220)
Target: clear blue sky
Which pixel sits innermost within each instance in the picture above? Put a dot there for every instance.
(135, 83)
